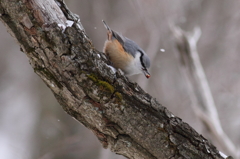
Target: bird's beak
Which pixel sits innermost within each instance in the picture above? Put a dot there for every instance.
(146, 73)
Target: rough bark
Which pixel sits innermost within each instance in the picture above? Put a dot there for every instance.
(123, 117)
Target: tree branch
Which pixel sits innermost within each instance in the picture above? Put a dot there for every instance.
(123, 117)
(199, 91)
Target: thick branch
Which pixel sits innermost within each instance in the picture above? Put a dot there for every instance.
(123, 117)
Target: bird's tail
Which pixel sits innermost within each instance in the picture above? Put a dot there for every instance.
(106, 26)
(109, 31)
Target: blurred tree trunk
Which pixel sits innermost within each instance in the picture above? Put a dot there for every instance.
(123, 117)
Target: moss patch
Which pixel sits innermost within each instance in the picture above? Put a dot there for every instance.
(105, 85)
(118, 96)
(92, 77)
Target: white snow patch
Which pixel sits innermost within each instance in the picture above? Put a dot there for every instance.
(112, 68)
(52, 85)
(80, 27)
(69, 23)
(62, 26)
(222, 154)
(208, 151)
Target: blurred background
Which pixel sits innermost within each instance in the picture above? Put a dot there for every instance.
(34, 126)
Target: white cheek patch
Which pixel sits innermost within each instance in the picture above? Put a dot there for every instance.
(135, 66)
(137, 61)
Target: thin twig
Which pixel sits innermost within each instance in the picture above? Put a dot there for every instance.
(199, 90)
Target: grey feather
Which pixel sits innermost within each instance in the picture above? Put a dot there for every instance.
(119, 37)
(132, 48)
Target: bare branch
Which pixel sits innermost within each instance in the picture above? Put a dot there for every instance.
(199, 90)
(123, 117)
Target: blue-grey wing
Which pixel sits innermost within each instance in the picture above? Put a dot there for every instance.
(117, 36)
(128, 45)
(131, 47)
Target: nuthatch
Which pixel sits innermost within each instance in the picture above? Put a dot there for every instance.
(125, 54)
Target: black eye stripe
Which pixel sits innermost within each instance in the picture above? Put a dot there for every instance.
(141, 59)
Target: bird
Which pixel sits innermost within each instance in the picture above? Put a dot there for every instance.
(125, 54)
